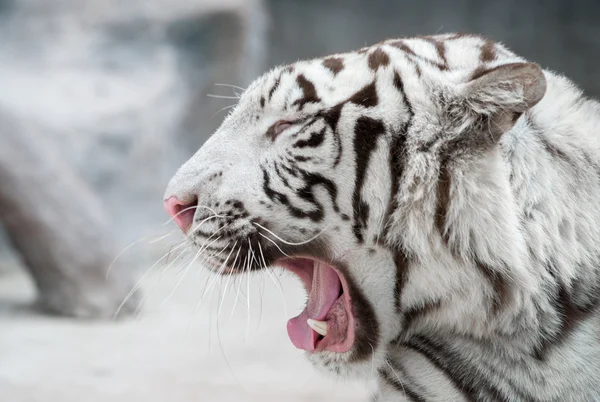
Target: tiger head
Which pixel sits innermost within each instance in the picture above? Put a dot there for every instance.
(339, 170)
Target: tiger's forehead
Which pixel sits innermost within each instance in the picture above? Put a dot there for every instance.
(328, 80)
(325, 81)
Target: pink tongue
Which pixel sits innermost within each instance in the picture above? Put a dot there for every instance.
(324, 292)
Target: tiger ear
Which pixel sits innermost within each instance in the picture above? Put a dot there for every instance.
(500, 95)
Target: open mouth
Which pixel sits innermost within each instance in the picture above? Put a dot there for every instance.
(327, 321)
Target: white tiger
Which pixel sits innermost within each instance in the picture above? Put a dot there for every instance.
(438, 197)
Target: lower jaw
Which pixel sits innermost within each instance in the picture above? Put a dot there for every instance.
(340, 309)
(340, 317)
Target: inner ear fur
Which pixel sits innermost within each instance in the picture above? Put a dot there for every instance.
(498, 96)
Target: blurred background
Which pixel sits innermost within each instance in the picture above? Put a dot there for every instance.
(100, 102)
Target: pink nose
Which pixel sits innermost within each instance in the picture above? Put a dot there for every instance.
(182, 214)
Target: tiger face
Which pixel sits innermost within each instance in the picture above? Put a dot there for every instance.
(306, 174)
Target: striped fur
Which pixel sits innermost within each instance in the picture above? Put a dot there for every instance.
(456, 187)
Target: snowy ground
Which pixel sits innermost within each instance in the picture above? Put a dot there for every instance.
(169, 353)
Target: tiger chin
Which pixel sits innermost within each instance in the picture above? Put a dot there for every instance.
(437, 197)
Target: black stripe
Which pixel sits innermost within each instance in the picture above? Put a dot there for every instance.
(413, 57)
(556, 152)
(443, 201)
(460, 372)
(572, 305)
(403, 388)
(397, 157)
(315, 179)
(366, 97)
(332, 117)
(500, 285)
(366, 134)
(415, 313)
(401, 261)
(314, 141)
(274, 87)
(315, 215)
(309, 92)
(335, 64)
(290, 170)
(281, 176)
(440, 48)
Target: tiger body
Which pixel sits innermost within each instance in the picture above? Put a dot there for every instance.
(451, 184)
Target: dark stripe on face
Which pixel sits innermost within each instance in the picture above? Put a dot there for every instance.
(306, 193)
(488, 52)
(402, 387)
(457, 369)
(312, 180)
(314, 141)
(332, 117)
(397, 157)
(440, 48)
(378, 59)
(289, 170)
(366, 97)
(309, 92)
(366, 134)
(335, 64)
(262, 101)
(413, 57)
(315, 215)
(281, 176)
(274, 87)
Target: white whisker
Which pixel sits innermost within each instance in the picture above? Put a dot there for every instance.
(220, 110)
(218, 84)
(276, 245)
(188, 268)
(180, 279)
(224, 294)
(291, 243)
(396, 374)
(277, 283)
(216, 275)
(161, 238)
(108, 270)
(148, 292)
(237, 294)
(139, 282)
(262, 282)
(248, 294)
(222, 96)
(225, 358)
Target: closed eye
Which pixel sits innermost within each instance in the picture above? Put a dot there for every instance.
(278, 128)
